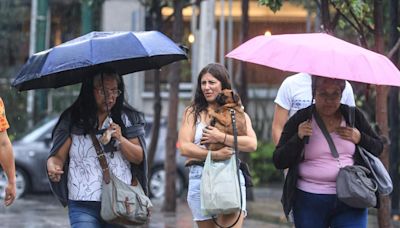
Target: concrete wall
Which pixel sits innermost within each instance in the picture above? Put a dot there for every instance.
(126, 15)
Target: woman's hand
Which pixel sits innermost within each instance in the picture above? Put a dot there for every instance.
(116, 129)
(10, 193)
(349, 133)
(304, 129)
(54, 169)
(212, 135)
(222, 154)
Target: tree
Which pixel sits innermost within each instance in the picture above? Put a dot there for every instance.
(154, 21)
(14, 37)
(381, 112)
(394, 120)
(245, 157)
(358, 15)
(172, 136)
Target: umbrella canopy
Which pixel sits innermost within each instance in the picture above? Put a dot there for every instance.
(319, 54)
(70, 62)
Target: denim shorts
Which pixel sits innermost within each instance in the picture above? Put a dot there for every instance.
(193, 197)
(86, 214)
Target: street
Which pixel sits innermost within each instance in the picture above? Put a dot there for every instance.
(44, 211)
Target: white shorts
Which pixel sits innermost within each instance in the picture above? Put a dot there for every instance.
(193, 197)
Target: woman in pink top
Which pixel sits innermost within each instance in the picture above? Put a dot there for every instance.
(309, 192)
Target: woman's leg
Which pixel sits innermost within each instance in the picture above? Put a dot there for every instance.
(349, 217)
(223, 220)
(206, 224)
(229, 219)
(193, 198)
(84, 214)
(313, 210)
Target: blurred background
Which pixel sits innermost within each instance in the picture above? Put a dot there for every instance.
(209, 29)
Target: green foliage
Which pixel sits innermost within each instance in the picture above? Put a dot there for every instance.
(359, 8)
(262, 169)
(274, 5)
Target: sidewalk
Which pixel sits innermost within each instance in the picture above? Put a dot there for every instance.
(267, 207)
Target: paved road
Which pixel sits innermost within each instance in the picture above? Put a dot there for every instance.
(43, 211)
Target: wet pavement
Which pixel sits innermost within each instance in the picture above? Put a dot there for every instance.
(44, 211)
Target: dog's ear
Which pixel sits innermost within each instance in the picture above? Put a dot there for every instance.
(213, 122)
(235, 97)
(220, 99)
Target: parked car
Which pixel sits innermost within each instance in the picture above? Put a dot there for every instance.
(157, 172)
(32, 149)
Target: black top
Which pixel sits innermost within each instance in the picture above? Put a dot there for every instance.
(290, 150)
(61, 133)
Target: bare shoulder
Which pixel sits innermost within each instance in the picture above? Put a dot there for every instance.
(188, 116)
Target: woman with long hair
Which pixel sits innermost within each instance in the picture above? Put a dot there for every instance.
(195, 132)
(73, 167)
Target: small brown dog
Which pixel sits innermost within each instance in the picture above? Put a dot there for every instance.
(221, 117)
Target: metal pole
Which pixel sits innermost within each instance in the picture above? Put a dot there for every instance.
(308, 20)
(41, 27)
(222, 34)
(41, 24)
(86, 16)
(230, 38)
(194, 51)
(32, 49)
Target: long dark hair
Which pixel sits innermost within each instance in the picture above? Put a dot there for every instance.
(84, 110)
(199, 102)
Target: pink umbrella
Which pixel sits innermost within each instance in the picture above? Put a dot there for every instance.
(319, 54)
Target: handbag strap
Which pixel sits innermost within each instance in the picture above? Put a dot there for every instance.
(102, 158)
(322, 126)
(235, 145)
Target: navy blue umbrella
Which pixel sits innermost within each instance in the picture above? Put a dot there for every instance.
(70, 62)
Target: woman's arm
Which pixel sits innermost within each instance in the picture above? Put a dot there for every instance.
(288, 151)
(55, 163)
(188, 149)
(131, 149)
(8, 165)
(246, 143)
(186, 137)
(370, 140)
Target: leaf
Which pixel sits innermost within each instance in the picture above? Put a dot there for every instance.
(274, 5)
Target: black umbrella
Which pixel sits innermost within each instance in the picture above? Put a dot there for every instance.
(70, 62)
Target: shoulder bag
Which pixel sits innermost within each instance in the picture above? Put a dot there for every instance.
(220, 191)
(378, 171)
(121, 203)
(354, 184)
(374, 164)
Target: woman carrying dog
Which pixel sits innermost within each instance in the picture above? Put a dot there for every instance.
(195, 133)
(310, 186)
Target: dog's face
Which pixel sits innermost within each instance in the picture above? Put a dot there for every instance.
(227, 96)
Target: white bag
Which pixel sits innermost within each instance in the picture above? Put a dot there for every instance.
(219, 189)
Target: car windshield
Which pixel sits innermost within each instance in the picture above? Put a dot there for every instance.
(43, 127)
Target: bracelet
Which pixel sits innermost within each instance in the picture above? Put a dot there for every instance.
(224, 139)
